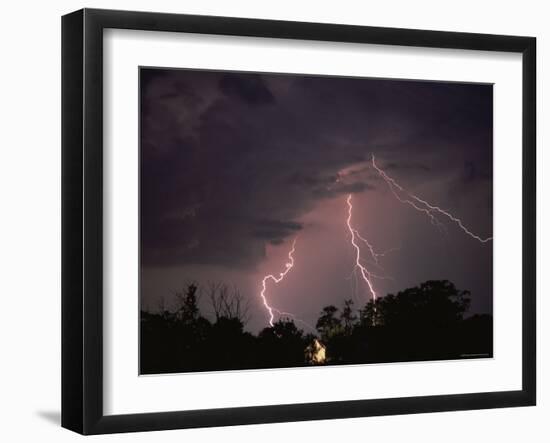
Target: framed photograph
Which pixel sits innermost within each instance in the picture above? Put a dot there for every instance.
(269, 221)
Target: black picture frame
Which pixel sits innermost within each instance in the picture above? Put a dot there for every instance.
(82, 220)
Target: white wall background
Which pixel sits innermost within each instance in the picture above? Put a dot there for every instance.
(30, 219)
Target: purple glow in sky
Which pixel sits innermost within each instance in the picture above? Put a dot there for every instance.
(236, 166)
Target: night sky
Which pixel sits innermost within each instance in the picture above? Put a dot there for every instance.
(236, 166)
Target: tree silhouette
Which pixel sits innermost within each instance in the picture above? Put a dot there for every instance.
(348, 317)
(431, 303)
(419, 323)
(328, 323)
(188, 310)
(283, 343)
(425, 322)
(228, 303)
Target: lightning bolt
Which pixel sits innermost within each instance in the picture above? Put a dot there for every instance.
(423, 206)
(293, 317)
(288, 266)
(365, 274)
(433, 212)
(376, 255)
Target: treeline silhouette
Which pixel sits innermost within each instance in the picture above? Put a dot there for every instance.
(426, 322)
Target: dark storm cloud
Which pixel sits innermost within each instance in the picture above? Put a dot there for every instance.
(301, 179)
(249, 88)
(395, 166)
(471, 172)
(230, 162)
(275, 231)
(329, 185)
(345, 188)
(473, 178)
